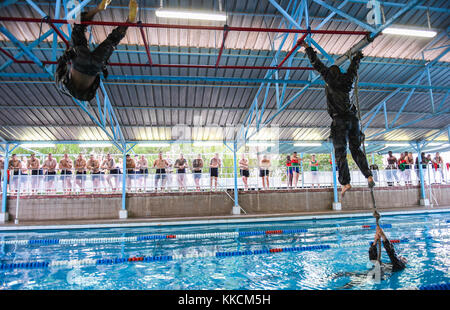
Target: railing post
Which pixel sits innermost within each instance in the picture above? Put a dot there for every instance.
(423, 199)
(4, 214)
(236, 207)
(123, 213)
(336, 204)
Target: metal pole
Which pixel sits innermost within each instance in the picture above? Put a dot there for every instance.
(236, 207)
(5, 178)
(333, 166)
(123, 212)
(422, 186)
(301, 167)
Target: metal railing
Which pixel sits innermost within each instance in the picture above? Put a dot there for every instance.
(61, 184)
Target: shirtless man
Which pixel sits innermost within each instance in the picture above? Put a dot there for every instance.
(80, 171)
(264, 171)
(214, 166)
(244, 170)
(94, 168)
(142, 165)
(181, 164)
(391, 169)
(440, 167)
(130, 165)
(14, 167)
(50, 169)
(65, 166)
(111, 178)
(33, 165)
(161, 165)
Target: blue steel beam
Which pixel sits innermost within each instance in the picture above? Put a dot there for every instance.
(345, 15)
(410, 80)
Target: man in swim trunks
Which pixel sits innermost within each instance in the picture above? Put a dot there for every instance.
(295, 166)
(14, 167)
(111, 178)
(65, 166)
(345, 126)
(33, 165)
(94, 168)
(439, 166)
(197, 166)
(142, 166)
(49, 167)
(82, 79)
(264, 172)
(214, 166)
(391, 169)
(130, 166)
(181, 164)
(244, 170)
(314, 165)
(161, 165)
(80, 171)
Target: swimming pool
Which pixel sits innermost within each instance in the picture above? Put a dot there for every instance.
(295, 255)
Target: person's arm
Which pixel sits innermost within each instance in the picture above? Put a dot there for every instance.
(397, 264)
(352, 69)
(315, 61)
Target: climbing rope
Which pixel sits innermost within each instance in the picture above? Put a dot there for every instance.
(376, 215)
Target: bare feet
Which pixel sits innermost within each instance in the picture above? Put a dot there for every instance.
(345, 188)
(133, 8)
(371, 181)
(103, 5)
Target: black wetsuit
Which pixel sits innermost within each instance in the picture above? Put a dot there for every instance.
(345, 126)
(397, 264)
(86, 61)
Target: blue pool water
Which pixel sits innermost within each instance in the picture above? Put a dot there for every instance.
(427, 250)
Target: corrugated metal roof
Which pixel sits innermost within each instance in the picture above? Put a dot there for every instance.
(148, 109)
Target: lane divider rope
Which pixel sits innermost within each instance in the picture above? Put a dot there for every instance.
(195, 236)
(110, 261)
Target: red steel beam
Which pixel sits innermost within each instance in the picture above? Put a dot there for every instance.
(58, 33)
(299, 41)
(191, 27)
(225, 34)
(147, 49)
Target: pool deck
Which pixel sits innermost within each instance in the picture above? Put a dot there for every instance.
(201, 220)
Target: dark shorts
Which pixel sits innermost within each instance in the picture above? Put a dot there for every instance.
(50, 176)
(66, 172)
(131, 171)
(114, 171)
(289, 170)
(244, 173)
(35, 172)
(95, 176)
(214, 172)
(143, 171)
(160, 173)
(296, 169)
(263, 173)
(181, 171)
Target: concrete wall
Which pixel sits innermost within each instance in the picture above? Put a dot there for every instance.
(91, 207)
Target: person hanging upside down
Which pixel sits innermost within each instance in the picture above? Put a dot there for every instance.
(397, 263)
(83, 78)
(345, 126)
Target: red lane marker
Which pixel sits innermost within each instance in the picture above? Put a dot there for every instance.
(171, 236)
(395, 241)
(366, 226)
(268, 232)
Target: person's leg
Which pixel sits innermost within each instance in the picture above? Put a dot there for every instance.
(339, 136)
(354, 137)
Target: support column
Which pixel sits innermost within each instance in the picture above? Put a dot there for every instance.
(3, 213)
(336, 204)
(301, 168)
(123, 213)
(423, 199)
(236, 207)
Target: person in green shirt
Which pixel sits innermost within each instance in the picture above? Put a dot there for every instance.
(314, 164)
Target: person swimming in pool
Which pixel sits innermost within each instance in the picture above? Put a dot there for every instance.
(381, 271)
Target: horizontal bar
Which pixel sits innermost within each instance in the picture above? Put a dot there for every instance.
(118, 64)
(188, 27)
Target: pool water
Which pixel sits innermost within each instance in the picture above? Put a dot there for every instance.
(427, 250)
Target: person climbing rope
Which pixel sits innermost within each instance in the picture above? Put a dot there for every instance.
(379, 270)
(345, 127)
(83, 78)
